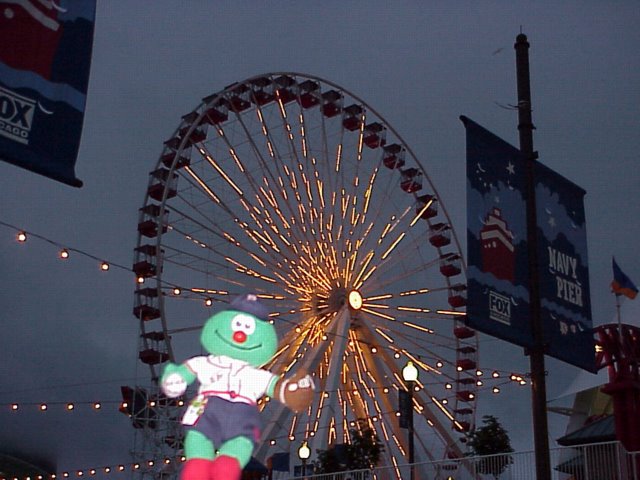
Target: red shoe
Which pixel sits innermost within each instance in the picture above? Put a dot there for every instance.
(196, 469)
(224, 468)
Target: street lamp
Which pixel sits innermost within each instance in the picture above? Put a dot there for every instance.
(304, 452)
(410, 375)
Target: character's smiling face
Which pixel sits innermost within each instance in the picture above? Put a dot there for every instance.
(241, 336)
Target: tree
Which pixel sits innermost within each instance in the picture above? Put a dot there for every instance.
(491, 439)
(363, 452)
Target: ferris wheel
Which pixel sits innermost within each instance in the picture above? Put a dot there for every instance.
(291, 187)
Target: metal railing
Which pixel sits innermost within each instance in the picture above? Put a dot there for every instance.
(600, 461)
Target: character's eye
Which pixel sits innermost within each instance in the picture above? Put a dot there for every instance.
(243, 323)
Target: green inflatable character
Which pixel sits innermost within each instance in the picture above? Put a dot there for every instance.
(223, 422)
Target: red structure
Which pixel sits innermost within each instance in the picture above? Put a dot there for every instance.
(618, 349)
(498, 255)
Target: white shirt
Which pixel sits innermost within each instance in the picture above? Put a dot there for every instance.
(229, 379)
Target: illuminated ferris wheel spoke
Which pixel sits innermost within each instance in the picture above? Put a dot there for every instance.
(395, 425)
(310, 363)
(257, 189)
(441, 429)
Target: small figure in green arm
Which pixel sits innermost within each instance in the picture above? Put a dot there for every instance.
(223, 422)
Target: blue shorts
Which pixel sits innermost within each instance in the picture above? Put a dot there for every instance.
(223, 420)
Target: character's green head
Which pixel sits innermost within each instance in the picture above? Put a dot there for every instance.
(242, 332)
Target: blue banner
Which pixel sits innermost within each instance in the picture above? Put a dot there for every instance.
(45, 56)
(498, 252)
(565, 303)
(497, 248)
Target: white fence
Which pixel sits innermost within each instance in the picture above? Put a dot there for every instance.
(602, 461)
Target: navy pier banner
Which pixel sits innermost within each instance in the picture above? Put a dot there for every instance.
(498, 255)
(45, 55)
(565, 303)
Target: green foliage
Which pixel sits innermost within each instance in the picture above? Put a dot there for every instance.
(491, 439)
(363, 452)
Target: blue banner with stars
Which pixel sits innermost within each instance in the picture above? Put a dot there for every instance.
(565, 303)
(498, 273)
(497, 250)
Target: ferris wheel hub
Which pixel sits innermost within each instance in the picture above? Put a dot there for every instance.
(355, 299)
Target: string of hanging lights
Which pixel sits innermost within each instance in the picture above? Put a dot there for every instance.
(168, 462)
(499, 379)
(63, 251)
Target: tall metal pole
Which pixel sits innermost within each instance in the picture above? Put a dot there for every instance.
(412, 460)
(538, 381)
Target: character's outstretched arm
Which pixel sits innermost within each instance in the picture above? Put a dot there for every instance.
(296, 392)
(175, 379)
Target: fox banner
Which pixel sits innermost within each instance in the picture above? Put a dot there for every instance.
(498, 273)
(45, 56)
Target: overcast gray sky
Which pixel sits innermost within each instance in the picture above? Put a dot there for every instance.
(67, 329)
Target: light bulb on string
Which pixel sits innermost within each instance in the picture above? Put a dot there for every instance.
(21, 236)
(104, 266)
(64, 254)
